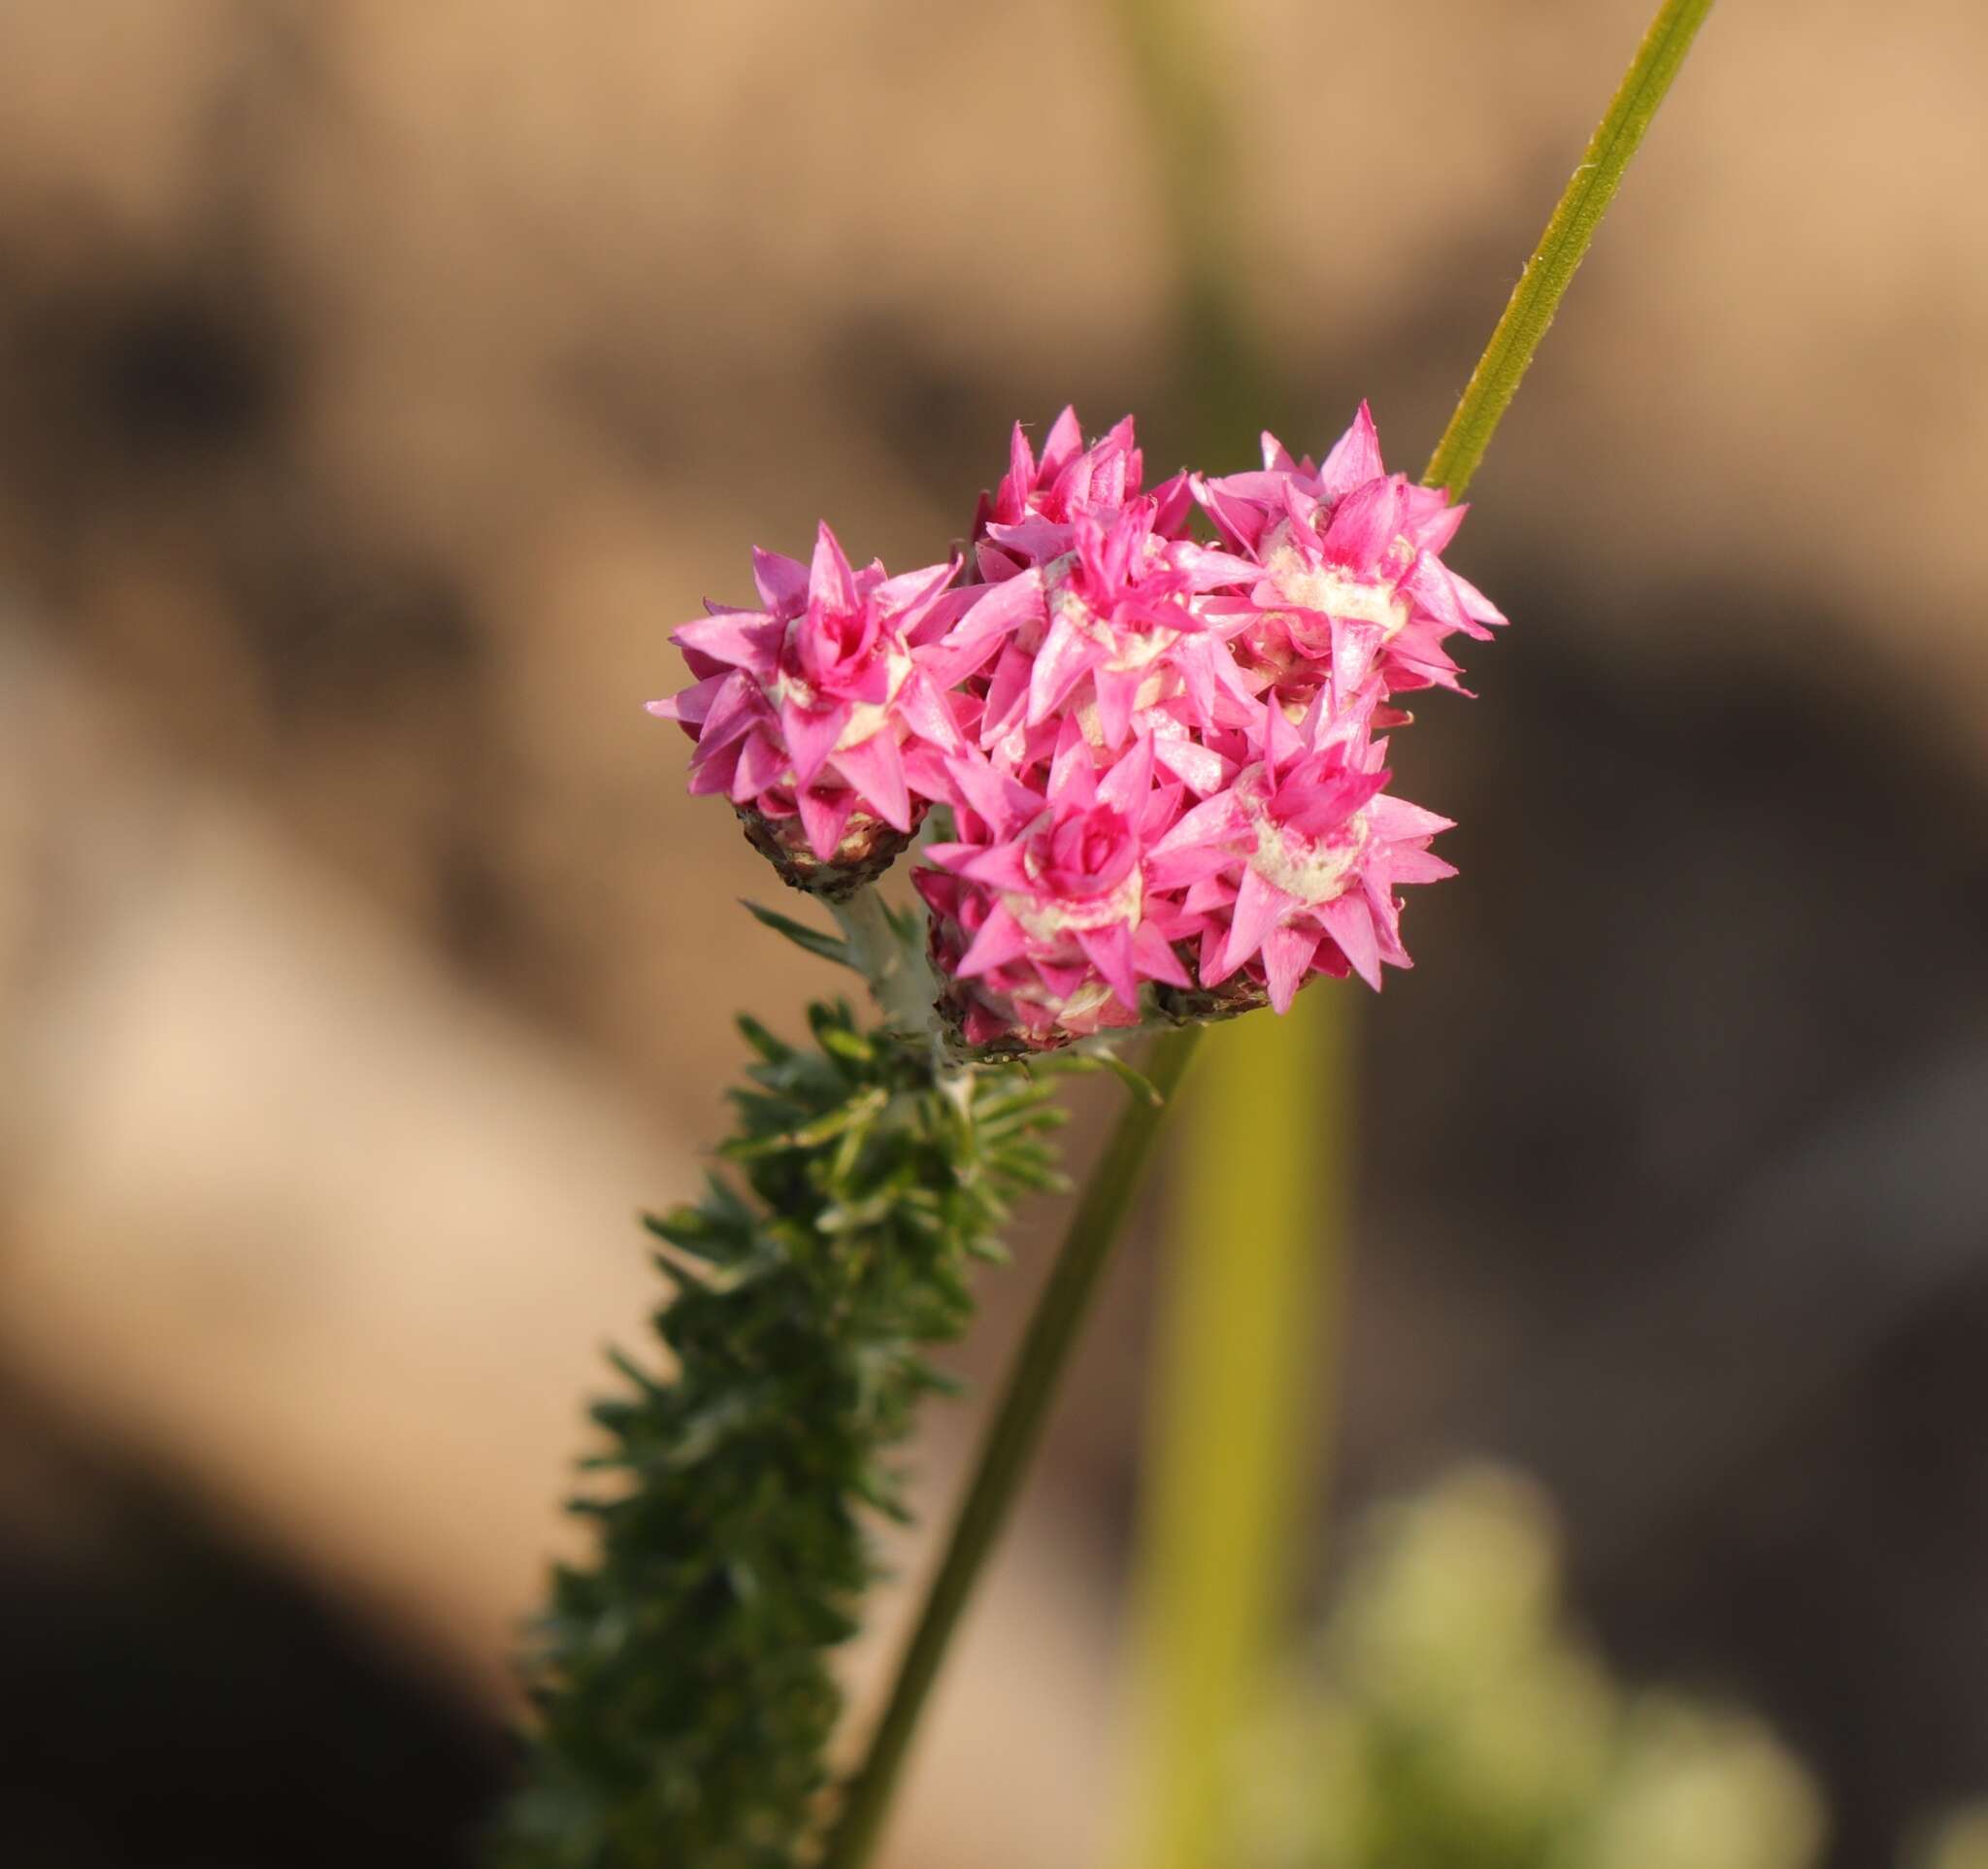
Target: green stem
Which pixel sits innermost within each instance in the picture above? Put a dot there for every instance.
(1564, 244)
(900, 978)
(1011, 1442)
(1108, 1196)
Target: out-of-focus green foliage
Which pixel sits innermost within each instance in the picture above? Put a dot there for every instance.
(1957, 1841)
(1244, 1392)
(1452, 1720)
(682, 1675)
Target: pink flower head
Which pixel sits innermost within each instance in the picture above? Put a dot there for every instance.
(1351, 580)
(1157, 753)
(1044, 920)
(1021, 522)
(815, 715)
(1106, 630)
(1290, 868)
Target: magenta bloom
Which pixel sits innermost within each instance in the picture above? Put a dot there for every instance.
(1157, 752)
(1351, 581)
(815, 716)
(1105, 628)
(1290, 867)
(1021, 523)
(1043, 915)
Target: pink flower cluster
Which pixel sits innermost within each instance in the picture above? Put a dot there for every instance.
(1149, 717)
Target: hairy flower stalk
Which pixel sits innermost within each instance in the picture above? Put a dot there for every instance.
(683, 1675)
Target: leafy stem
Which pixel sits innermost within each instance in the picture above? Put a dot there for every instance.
(682, 1670)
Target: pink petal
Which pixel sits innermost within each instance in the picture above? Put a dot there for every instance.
(1355, 458)
(1211, 893)
(1063, 981)
(998, 941)
(1384, 908)
(901, 597)
(1063, 444)
(1063, 660)
(935, 618)
(830, 581)
(1266, 488)
(1259, 906)
(1073, 779)
(691, 706)
(1214, 818)
(824, 816)
(1214, 966)
(924, 710)
(1157, 811)
(1364, 525)
(925, 771)
(746, 639)
(1109, 952)
(1021, 465)
(1286, 958)
(1207, 963)
(1354, 645)
(1433, 590)
(877, 773)
(783, 582)
(1006, 695)
(1396, 818)
(950, 663)
(1172, 505)
(714, 772)
(1208, 569)
(810, 734)
(1237, 520)
(999, 868)
(1433, 524)
(761, 764)
(1407, 864)
(1479, 607)
(1033, 540)
(990, 794)
(1001, 609)
(1201, 768)
(995, 566)
(1126, 786)
(1178, 869)
(1280, 741)
(737, 708)
(982, 1025)
(1117, 692)
(1350, 922)
(1156, 957)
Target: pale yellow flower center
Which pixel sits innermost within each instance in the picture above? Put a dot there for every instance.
(1314, 870)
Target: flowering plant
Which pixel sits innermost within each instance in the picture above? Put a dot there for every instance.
(1133, 742)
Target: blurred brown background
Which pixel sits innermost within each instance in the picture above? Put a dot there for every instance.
(380, 380)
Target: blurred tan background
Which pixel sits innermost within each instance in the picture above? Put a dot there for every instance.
(380, 381)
